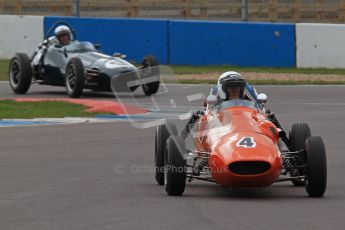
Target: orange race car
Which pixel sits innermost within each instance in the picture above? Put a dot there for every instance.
(239, 144)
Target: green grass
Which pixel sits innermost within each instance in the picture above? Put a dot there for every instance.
(210, 69)
(4, 64)
(10, 109)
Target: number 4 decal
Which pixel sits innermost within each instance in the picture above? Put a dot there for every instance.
(246, 142)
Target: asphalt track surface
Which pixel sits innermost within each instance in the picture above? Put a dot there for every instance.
(98, 176)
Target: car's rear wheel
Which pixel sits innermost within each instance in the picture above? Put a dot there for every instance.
(316, 175)
(163, 132)
(298, 134)
(150, 71)
(175, 166)
(75, 78)
(20, 73)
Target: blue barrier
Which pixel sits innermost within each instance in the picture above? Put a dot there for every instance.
(187, 42)
(134, 37)
(231, 43)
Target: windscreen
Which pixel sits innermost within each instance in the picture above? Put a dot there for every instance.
(238, 103)
(80, 47)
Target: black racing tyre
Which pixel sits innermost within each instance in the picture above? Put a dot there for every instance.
(316, 175)
(20, 73)
(163, 132)
(74, 78)
(299, 132)
(147, 71)
(175, 166)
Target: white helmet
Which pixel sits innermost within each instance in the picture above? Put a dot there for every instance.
(230, 79)
(60, 30)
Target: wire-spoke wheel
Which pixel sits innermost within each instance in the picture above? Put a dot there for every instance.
(15, 73)
(75, 78)
(20, 73)
(298, 134)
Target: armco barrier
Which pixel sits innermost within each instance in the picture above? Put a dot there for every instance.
(232, 43)
(320, 45)
(134, 37)
(19, 34)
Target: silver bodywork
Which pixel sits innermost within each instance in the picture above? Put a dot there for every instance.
(91, 58)
(97, 66)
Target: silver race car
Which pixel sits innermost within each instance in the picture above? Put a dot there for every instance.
(80, 65)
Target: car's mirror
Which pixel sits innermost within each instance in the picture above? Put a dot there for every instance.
(211, 100)
(262, 98)
(58, 46)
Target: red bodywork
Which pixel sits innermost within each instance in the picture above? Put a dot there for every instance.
(231, 162)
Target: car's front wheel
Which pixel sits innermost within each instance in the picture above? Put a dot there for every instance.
(20, 73)
(74, 78)
(163, 132)
(175, 166)
(316, 175)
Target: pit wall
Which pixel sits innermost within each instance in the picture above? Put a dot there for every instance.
(188, 42)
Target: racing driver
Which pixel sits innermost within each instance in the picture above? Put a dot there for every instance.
(63, 35)
(231, 85)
